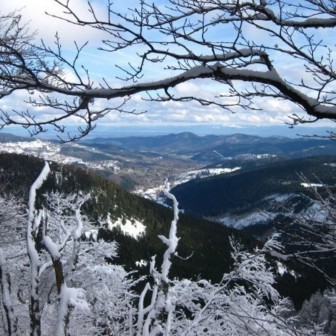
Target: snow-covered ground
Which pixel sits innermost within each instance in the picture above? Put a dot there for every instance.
(258, 216)
(52, 152)
(247, 219)
(255, 156)
(155, 193)
(312, 185)
(274, 205)
(129, 227)
(202, 173)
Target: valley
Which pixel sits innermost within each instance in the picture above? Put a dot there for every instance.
(141, 164)
(237, 180)
(231, 190)
(251, 172)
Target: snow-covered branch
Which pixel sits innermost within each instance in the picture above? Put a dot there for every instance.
(158, 315)
(35, 263)
(5, 284)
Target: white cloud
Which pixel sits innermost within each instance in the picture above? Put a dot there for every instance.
(101, 64)
(188, 88)
(276, 105)
(34, 12)
(192, 112)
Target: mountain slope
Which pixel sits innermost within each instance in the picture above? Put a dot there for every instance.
(205, 242)
(141, 164)
(203, 250)
(246, 190)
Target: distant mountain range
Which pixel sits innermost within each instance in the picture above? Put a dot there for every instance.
(209, 148)
(215, 148)
(141, 164)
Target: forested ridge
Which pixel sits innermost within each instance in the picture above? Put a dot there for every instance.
(216, 195)
(200, 239)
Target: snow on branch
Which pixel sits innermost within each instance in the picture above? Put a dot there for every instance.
(182, 41)
(5, 287)
(163, 295)
(172, 241)
(35, 263)
(69, 297)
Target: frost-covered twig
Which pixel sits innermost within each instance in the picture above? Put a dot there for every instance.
(77, 232)
(68, 297)
(163, 302)
(11, 318)
(34, 308)
(172, 241)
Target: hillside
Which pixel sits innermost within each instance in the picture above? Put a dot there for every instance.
(206, 242)
(134, 223)
(141, 164)
(256, 190)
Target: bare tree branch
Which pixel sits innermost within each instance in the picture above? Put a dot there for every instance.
(187, 40)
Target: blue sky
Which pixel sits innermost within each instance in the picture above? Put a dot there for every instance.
(274, 113)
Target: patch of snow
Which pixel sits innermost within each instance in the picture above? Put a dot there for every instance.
(252, 218)
(311, 185)
(255, 156)
(275, 205)
(286, 183)
(317, 212)
(282, 269)
(155, 194)
(104, 165)
(141, 263)
(52, 152)
(202, 173)
(330, 164)
(129, 227)
(265, 156)
(91, 234)
(279, 198)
